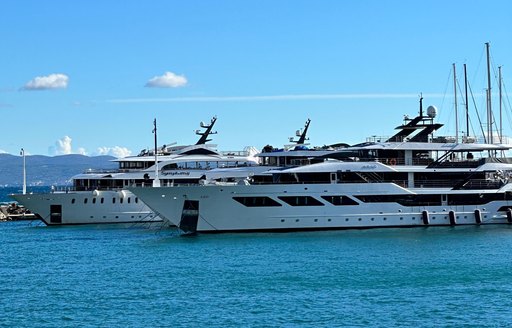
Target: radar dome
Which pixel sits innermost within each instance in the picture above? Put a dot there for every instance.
(431, 111)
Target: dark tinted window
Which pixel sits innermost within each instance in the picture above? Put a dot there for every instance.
(256, 201)
(301, 201)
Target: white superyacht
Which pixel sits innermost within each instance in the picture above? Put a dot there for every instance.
(101, 196)
(411, 179)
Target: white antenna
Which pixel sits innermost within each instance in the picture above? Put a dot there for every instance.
(22, 153)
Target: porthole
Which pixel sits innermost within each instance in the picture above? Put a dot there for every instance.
(92, 217)
(372, 219)
(385, 219)
(316, 220)
(282, 220)
(401, 219)
(117, 217)
(359, 219)
(297, 220)
(73, 201)
(329, 220)
(346, 219)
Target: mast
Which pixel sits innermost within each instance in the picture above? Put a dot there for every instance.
(204, 135)
(489, 109)
(501, 117)
(302, 136)
(156, 181)
(467, 104)
(22, 153)
(456, 110)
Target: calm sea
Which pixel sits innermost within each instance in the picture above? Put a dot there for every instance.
(112, 276)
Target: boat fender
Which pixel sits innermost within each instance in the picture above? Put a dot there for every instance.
(478, 217)
(424, 216)
(509, 215)
(453, 220)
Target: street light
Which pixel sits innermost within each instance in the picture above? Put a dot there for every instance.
(22, 153)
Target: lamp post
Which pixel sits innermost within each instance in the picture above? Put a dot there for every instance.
(22, 153)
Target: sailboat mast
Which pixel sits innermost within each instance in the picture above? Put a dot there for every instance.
(156, 181)
(489, 109)
(467, 105)
(456, 110)
(501, 117)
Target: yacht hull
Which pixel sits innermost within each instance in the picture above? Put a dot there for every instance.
(87, 207)
(215, 208)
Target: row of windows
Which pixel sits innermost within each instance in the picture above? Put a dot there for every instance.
(294, 201)
(102, 200)
(436, 199)
(205, 165)
(404, 200)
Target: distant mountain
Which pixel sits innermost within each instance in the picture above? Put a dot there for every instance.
(47, 170)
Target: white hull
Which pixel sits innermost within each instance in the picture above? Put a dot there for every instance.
(87, 207)
(214, 209)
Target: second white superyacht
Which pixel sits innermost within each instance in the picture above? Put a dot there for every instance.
(101, 196)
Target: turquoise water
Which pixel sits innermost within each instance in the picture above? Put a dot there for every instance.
(113, 276)
(128, 276)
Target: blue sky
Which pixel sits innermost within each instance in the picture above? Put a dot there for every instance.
(90, 76)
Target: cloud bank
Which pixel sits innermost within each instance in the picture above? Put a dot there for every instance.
(52, 81)
(168, 80)
(115, 151)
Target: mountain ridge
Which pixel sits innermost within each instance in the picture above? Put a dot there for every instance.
(44, 170)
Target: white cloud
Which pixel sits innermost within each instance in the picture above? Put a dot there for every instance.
(3, 151)
(52, 81)
(115, 151)
(81, 151)
(62, 146)
(168, 80)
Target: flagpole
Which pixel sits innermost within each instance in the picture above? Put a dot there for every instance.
(156, 181)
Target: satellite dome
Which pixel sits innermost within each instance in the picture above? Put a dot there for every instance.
(431, 111)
